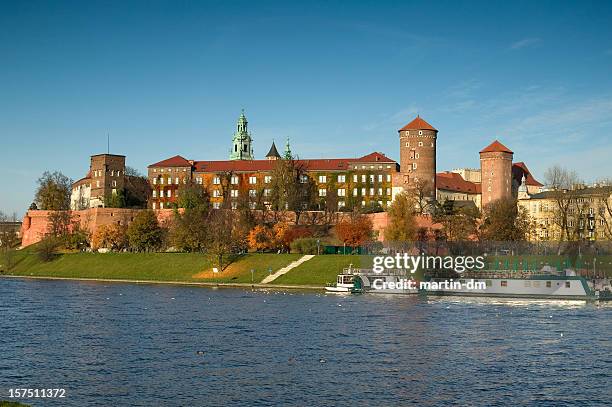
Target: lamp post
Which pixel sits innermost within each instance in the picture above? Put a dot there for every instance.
(318, 245)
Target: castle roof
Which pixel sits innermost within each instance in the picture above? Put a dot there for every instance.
(519, 169)
(418, 124)
(273, 151)
(451, 181)
(496, 147)
(176, 161)
(320, 164)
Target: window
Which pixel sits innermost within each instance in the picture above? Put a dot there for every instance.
(252, 192)
(407, 144)
(322, 179)
(322, 192)
(112, 173)
(354, 191)
(154, 181)
(341, 192)
(380, 191)
(234, 180)
(388, 177)
(416, 156)
(216, 205)
(199, 180)
(216, 193)
(504, 284)
(268, 179)
(380, 178)
(114, 183)
(371, 191)
(97, 184)
(252, 180)
(341, 178)
(154, 194)
(420, 144)
(169, 181)
(234, 205)
(154, 170)
(177, 181)
(362, 203)
(420, 132)
(536, 284)
(267, 192)
(216, 180)
(354, 177)
(304, 178)
(363, 192)
(340, 204)
(567, 284)
(363, 178)
(161, 193)
(548, 284)
(169, 193)
(154, 206)
(252, 205)
(162, 170)
(414, 166)
(389, 191)
(371, 177)
(234, 193)
(161, 205)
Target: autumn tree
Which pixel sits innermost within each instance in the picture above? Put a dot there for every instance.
(355, 230)
(459, 222)
(401, 225)
(113, 237)
(191, 196)
(504, 220)
(225, 238)
(261, 238)
(421, 192)
(144, 233)
(53, 191)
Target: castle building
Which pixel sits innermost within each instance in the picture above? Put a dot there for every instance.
(106, 176)
(341, 182)
(418, 156)
(496, 172)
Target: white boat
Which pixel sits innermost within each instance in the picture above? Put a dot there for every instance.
(344, 282)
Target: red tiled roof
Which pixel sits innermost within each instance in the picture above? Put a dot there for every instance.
(321, 164)
(176, 161)
(518, 169)
(451, 181)
(418, 124)
(496, 147)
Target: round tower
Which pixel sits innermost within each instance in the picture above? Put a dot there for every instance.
(418, 156)
(496, 172)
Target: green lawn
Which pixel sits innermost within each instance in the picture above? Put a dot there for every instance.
(319, 270)
(147, 266)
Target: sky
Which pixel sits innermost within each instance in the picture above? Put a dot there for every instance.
(338, 78)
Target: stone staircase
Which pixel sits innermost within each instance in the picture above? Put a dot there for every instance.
(286, 269)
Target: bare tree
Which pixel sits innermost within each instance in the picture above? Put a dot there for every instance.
(563, 183)
(421, 192)
(53, 192)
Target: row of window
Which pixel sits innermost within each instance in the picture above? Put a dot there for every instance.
(420, 144)
(364, 192)
(161, 180)
(253, 205)
(235, 180)
(113, 173)
(170, 170)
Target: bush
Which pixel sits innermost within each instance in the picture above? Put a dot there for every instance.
(46, 250)
(304, 246)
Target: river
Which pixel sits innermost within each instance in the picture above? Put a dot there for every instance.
(152, 345)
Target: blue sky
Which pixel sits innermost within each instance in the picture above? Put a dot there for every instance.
(338, 78)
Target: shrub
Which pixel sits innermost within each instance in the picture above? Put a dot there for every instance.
(46, 250)
(112, 237)
(304, 246)
(144, 233)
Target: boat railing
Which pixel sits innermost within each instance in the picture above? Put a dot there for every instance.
(509, 274)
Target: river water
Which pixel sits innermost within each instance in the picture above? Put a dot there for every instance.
(152, 345)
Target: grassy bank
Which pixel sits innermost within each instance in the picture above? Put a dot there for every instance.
(187, 267)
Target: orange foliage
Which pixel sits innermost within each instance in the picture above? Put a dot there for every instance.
(261, 238)
(354, 231)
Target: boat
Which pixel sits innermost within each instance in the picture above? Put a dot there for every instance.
(345, 281)
(356, 280)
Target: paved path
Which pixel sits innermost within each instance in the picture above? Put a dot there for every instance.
(286, 269)
(190, 283)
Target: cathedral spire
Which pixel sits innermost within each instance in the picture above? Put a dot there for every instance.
(288, 155)
(242, 148)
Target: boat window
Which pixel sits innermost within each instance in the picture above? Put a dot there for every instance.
(536, 284)
(504, 284)
(489, 283)
(548, 284)
(567, 284)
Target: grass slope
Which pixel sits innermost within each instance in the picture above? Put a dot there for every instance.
(319, 270)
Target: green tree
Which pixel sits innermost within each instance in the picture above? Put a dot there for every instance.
(53, 192)
(192, 195)
(291, 188)
(504, 221)
(190, 230)
(401, 225)
(144, 233)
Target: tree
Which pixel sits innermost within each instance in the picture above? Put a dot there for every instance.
(291, 187)
(225, 238)
(144, 233)
(563, 183)
(354, 231)
(192, 196)
(60, 223)
(190, 230)
(53, 192)
(460, 223)
(137, 189)
(505, 221)
(8, 238)
(115, 200)
(261, 238)
(401, 221)
(421, 191)
(112, 237)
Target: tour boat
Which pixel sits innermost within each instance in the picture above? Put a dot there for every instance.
(344, 282)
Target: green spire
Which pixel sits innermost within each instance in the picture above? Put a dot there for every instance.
(288, 155)
(242, 148)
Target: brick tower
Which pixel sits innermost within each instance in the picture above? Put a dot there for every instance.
(418, 155)
(496, 172)
(107, 177)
